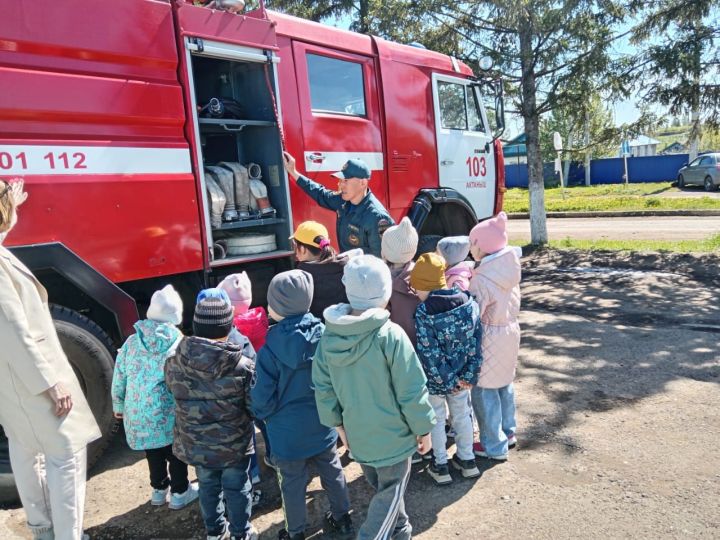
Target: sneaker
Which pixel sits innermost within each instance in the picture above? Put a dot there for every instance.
(440, 473)
(467, 467)
(181, 500)
(512, 441)
(159, 497)
(252, 534)
(223, 536)
(284, 535)
(416, 458)
(341, 528)
(269, 462)
(256, 497)
(479, 450)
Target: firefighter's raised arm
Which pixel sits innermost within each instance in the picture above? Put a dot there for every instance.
(331, 200)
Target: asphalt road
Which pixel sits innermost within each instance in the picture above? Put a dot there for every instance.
(634, 228)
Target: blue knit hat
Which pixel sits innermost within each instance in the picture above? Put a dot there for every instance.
(368, 283)
(454, 249)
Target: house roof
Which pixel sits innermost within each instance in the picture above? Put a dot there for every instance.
(516, 147)
(643, 140)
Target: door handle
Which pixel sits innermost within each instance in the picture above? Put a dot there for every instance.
(315, 157)
(446, 162)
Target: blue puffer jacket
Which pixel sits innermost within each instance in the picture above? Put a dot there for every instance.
(139, 391)
(283, 394)
(449, 340)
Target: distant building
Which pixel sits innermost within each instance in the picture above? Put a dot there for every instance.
(515, 150)
(675, 148)
(644, 146)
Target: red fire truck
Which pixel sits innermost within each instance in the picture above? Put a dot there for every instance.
(130, 119)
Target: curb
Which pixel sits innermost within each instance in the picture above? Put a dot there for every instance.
(636, 213)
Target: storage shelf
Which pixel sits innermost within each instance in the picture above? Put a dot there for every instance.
(227, 125)
(233, 225)
(277, 254)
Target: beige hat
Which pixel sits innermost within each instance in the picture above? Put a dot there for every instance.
(399, 242)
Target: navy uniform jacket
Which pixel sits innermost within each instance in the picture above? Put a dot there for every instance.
(358, 225)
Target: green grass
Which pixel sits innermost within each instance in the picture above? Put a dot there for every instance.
(605, 198)
(709, 245)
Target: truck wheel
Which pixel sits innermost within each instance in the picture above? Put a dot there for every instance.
(89, 350)
(428, 243)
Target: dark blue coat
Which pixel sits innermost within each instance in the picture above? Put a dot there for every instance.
(283, 394)
(449, 340)
(358, 225)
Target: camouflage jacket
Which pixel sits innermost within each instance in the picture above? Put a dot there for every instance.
(210, 382)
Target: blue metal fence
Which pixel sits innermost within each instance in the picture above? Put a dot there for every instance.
(607, 171)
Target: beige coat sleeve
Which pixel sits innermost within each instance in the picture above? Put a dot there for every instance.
(18, 343)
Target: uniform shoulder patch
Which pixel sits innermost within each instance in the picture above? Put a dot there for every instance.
(383, 224)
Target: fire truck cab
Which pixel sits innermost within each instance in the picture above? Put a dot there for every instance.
(150, 136)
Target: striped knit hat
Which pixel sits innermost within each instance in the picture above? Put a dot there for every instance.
(213, 314)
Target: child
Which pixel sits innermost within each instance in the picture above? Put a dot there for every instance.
(399, 244)
(448, 330)
(496, 287)
(283, 394)
(368, 381)
(141, 398)
(455, 249)
(316, 256)
(210, 379)
(252, 323)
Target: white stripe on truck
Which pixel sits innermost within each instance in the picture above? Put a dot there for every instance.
(20, 160)
(321, 161)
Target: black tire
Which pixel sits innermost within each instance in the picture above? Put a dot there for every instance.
(681, 182)
(709, 184)
(428, 243)
(90, 352)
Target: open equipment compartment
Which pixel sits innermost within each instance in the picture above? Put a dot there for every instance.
(237, 130)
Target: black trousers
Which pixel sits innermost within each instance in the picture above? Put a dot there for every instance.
(159, 461)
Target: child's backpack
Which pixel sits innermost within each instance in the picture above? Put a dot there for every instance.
(253, 325)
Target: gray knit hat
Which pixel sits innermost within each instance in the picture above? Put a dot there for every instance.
(454, 249)
(367, 281)
(213, 316)
(399, 242)
(291, 293)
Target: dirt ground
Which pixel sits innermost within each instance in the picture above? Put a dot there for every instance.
(618, 392)
(621, 228)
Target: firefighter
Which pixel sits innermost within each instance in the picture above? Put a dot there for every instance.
(361, 218)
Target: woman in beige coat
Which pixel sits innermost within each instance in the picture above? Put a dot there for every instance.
(42, 408)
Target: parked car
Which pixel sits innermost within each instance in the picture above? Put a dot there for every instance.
(704, 170)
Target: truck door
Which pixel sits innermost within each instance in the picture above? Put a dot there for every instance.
(340, 116)
(466, 161)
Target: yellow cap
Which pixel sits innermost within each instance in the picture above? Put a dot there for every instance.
(308, 231)
(428, 273)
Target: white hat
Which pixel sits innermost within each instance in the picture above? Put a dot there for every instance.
(166, 306)
(399, 242)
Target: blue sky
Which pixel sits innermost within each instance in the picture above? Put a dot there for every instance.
(623, 111)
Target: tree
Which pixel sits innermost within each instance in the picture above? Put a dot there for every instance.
(550, 54)
(571, 122)
(679, 62)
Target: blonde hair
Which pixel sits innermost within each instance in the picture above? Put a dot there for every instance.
(7, 206)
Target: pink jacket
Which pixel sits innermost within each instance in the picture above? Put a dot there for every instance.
(459, 275)
(496, 287)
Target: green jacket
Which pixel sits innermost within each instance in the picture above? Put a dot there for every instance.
(368, 379)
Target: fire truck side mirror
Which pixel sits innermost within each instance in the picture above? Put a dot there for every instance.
(499, 113)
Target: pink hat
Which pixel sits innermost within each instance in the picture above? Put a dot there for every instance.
(490, 235)
(239, 289)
